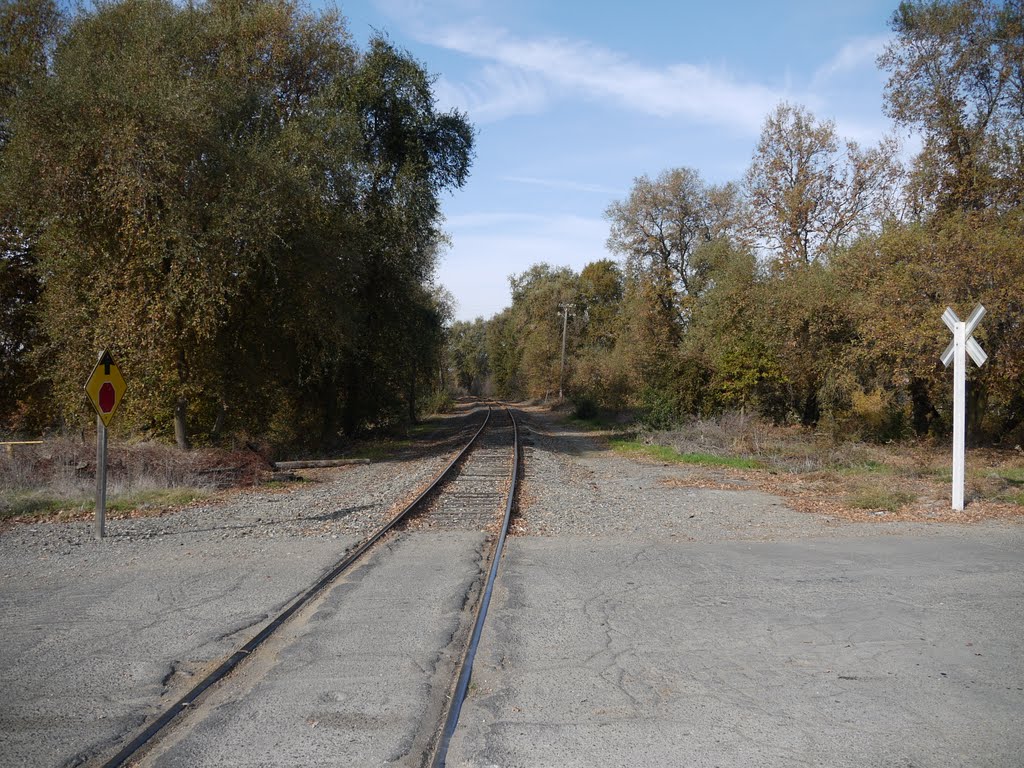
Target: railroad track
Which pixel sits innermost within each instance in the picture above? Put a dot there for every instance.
(475, 491)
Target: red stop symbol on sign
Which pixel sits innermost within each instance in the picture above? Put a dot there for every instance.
(106, 397)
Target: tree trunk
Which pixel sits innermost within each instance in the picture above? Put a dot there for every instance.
(218, 422)
(412, 392)
(349, 410)
(922, 410)
(810, 413)
(181, 405)
(180, 424)
(329, 401)
(977, 399)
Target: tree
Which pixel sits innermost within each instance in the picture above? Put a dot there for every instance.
(537, 297)
(807, 195)
(504, 354)
(241, 204)
(659, 229)
(956, 73)
(601, 286)
(28, 34)
(467, 354)
(903, 279)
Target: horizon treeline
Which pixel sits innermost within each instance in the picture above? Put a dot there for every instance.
(233, 199)
(810, 291)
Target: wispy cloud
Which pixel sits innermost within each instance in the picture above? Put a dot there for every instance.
(856, 54)
(575, 186)
(599, 74)
(496, 93)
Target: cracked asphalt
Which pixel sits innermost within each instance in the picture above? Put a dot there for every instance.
(636, 624)
(884, 651)
(653, 625)
(89, 649)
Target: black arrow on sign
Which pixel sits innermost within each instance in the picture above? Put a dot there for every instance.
(106, 361)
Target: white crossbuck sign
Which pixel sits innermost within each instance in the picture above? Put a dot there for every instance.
(963, 344)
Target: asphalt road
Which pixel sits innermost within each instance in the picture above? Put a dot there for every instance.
(880, 650)
(94, 642)
(659, 626)
(357, 680)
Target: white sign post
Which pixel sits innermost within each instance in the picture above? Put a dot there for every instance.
(963, 344)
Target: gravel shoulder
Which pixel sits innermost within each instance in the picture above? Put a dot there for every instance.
(574, 485)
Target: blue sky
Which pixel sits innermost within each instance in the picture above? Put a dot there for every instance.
(573, 100)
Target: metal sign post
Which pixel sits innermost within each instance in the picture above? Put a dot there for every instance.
(105, 388)
(101, 476)
(963, 344)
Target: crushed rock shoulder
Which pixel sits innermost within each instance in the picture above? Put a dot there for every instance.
(575, 485)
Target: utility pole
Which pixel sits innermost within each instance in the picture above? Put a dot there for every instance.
(565, 327)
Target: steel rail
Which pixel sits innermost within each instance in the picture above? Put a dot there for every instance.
(466, 668)
(229, 664)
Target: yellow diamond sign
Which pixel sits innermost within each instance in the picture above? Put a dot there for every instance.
(105, 387)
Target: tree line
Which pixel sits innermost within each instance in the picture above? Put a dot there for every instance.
(236, 201)
(809, 291)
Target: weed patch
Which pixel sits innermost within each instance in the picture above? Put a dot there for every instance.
(880, 498)
(379, 450)
(591, 424)
(670, 455)
(1012, 475)
(35, 503)
(910, 480)
(59, 476)
(156, 498)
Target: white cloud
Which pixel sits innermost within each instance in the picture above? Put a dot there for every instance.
(597, 73)
(489, 247)
(856, 54)
(497, 92)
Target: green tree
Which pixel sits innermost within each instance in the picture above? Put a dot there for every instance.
(28, 34)
(413, 152)
(537, 297)
(505, 354)
(600, 373)
(735, 337)
(902, 280)
(601, 286)
(659, 229)
(468, 356)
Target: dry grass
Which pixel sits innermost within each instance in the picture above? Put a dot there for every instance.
(852, 480)
(58, 478)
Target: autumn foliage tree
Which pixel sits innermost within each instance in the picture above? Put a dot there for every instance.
(239, 203)
(810, 193)
(811, 292)
(956, 75)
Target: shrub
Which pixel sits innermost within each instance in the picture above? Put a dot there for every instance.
(584, 407)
